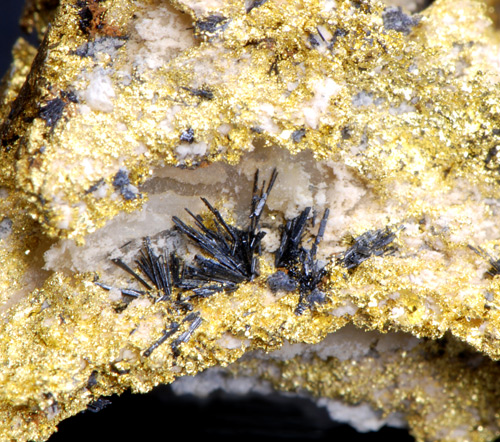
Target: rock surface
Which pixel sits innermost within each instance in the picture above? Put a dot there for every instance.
(130, 111)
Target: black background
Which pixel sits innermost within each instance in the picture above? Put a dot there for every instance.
(10, 10)
(160, 415)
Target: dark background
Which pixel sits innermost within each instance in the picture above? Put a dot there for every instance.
(10, 11)
(160, 415)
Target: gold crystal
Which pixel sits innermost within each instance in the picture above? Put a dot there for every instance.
(401, 124)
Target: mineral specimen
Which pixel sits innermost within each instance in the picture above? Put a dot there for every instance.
(359, 274)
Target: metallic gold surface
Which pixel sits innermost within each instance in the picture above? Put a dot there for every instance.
(413, 115)
(399, 381)
(248, 56)
(37, 15)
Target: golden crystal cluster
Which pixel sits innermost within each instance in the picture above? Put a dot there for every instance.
(408, 104)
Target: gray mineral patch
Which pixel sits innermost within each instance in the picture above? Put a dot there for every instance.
(281, 281)
(5, 228)
(396, 20)
(104, 45)
(362, 98)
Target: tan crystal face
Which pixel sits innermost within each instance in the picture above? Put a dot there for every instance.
(132, 111)
(412, 6)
